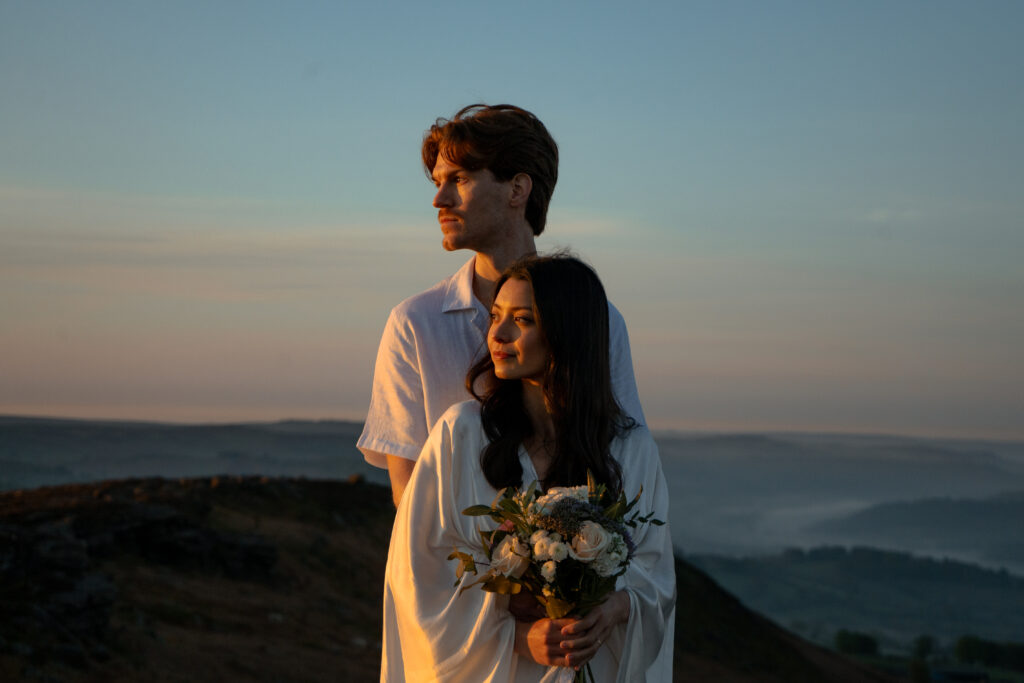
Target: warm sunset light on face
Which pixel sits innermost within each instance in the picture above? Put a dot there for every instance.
(809, 215)
(515, 340)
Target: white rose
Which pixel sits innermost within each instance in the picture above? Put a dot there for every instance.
(558, 551)
(511, 557)
(547, 570)
(589, 541)
(612, 557)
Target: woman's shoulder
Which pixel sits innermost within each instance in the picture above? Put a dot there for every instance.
(461, 422)
(467, 412)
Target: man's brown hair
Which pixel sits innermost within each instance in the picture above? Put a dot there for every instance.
(504, 139)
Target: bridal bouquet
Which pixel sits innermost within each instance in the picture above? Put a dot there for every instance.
(565, 547)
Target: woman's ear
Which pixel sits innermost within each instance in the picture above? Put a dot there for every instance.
(522, 185)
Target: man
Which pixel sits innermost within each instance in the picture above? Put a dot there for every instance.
(495, 168)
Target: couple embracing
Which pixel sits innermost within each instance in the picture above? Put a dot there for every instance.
(543, 359)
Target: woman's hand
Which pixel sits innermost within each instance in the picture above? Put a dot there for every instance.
(541, 641)
(581, 638)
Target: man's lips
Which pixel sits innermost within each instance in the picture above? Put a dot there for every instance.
(446, 217)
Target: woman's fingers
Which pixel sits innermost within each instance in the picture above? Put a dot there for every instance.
(545, 641)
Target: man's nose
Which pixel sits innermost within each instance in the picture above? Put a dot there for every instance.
(443, 197)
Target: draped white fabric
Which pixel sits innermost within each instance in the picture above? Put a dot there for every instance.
(431, 633)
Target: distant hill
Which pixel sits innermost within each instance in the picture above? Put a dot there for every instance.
(732, 494)
(269, 579)
(990, 530)
(46, 452)
(894, 596)
(745, 494)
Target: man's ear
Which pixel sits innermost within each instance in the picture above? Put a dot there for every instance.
(522, 185)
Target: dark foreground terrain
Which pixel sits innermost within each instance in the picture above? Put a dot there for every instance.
(259, 579)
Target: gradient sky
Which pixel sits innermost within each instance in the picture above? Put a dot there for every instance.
(809, 213)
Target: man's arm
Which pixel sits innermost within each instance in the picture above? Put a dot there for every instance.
(399, 471)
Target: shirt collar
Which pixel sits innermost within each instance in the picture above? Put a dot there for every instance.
(458, 296)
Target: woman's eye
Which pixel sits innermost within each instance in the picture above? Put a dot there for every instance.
(523, 319)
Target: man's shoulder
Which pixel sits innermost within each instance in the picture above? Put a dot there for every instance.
(615, 318)
(427, 302)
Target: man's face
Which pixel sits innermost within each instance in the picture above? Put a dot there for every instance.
(473, 207)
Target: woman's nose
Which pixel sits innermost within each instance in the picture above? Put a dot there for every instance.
(499, 331)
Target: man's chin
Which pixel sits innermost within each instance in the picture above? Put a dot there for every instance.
(449, 244)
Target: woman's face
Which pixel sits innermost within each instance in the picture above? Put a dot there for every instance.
(515, 341)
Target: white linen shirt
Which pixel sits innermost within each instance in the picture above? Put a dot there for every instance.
(429, 343)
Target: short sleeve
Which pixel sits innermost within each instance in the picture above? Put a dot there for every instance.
(396, 423)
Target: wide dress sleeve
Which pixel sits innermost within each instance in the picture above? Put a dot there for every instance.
(431, 632)
(645, 652)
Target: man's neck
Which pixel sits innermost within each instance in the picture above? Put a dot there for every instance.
(490, 264)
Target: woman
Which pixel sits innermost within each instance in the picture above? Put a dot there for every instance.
(545, 412)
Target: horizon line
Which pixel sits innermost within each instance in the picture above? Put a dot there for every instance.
(662, 432)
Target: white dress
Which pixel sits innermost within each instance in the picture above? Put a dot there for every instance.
(431, 633)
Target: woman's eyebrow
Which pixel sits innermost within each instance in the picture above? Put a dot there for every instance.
(514, 307)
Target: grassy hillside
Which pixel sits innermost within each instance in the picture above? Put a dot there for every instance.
(258, 579)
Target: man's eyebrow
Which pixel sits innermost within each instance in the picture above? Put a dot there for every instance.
(452, 170)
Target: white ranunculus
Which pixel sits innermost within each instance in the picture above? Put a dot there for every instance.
(548, 569)
(558, 551)
(541, 543)
(511, 557)
(544, 503)
(589, 541)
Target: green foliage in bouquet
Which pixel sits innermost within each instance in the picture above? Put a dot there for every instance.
(565, 547)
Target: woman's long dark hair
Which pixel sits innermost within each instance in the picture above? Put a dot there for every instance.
(572, 313)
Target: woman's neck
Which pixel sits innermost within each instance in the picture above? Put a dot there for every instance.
(540, 446)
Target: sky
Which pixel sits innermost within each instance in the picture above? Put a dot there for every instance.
(809, 213)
